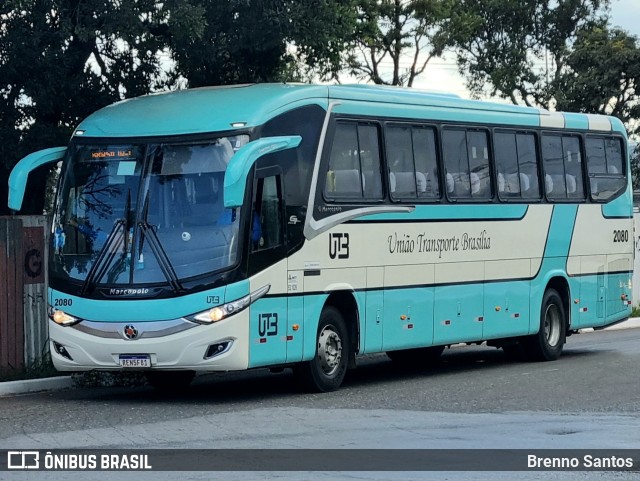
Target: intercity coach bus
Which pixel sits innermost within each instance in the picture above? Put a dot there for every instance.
(231, 228)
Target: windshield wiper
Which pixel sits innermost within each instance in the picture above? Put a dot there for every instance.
(166, 267)
(102, 261)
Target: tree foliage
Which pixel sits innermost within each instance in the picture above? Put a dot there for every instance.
(61, 60)
(518, 49)
(396, 39)
(241, 41)
(602, 75)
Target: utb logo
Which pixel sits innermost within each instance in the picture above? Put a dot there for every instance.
(339, 246)
(268, 324)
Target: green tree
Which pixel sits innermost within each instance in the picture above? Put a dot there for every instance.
(260, 40)
(518, 49)
(396, 39)
(62, 59)
(635, 166)
(602, 75)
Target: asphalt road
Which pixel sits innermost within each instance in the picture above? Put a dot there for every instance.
(476, 398)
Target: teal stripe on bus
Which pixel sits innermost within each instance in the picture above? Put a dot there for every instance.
(576, 121)
(455, 212)
(563, 221)
(620, 207)
(435, 114)
(138, 310)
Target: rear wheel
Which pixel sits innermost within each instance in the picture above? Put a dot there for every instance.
(169, 380)
(548, 343)
(326, 371)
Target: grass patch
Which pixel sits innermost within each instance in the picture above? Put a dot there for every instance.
(635, 312)
(36, 370)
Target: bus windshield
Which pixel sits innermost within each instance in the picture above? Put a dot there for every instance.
(144, 213)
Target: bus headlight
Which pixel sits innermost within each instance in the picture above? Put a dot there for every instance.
(62, 318)
(221, 312)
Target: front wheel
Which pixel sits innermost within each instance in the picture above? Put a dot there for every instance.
(548, 343)
(326, 371)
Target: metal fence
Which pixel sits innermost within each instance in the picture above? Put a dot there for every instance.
(23, 321)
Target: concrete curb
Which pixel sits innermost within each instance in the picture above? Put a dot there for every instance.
(64, 382)
(632, 323)
(35, 385)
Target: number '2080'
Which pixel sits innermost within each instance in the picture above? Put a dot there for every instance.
(620, 236)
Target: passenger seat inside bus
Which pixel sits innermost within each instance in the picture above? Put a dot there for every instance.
(459, 184)
(405, 183)
(346, 183)
(514, 183)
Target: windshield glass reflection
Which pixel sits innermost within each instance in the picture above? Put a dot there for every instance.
(171, 194)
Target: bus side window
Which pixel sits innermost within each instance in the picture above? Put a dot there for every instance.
(563, 167)
(344, 179)
(354, 163)
(411, 154)
(604, 163)
(370, 161)
(506, 153)
(266, 221)
(425, 158)
(402, 180)
(528, 165)
(573, 167)
(478, 149)
(456, 163)
(555, 180)
(466, 158)
(517, 165)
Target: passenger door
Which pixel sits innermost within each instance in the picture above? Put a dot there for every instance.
(267, 265)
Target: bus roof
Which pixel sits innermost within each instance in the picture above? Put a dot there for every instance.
(237, 107)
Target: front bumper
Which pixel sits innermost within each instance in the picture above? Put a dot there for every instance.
(169, 344)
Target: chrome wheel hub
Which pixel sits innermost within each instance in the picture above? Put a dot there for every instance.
(552, 326)
(329, 350)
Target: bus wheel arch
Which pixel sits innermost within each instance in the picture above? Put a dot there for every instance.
(561, 286)
(345, 302)
(548, 342)
(335, 346)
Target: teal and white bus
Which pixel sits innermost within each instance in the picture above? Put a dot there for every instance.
(222, 229)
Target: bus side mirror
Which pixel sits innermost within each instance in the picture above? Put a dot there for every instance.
(235, 178)
(20, 173)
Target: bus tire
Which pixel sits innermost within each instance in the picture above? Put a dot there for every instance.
(548, 343)
(416, 358)
(169, 380)
(326, 371)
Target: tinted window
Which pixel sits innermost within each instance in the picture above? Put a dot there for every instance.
(555, 184)
(528, 165)
(563, 167)
(370, 161)
(266, 224)
(605, 167)
(297, 164)
(573, 167)
(354, 163)
(478, 150)
(424, 155)
(456, 163)
(466, 158)
(411, 154)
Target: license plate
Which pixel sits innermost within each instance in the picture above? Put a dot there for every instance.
(135, 360)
